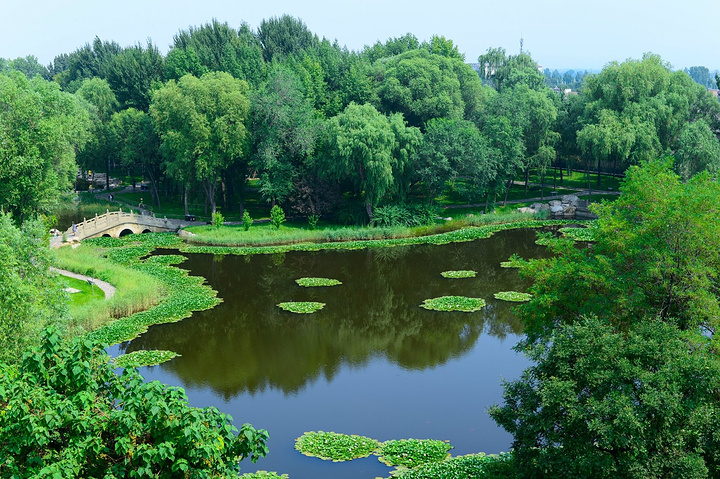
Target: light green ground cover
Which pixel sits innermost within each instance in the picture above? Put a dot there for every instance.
(413, 452)
(513, 296)
(137, 359)
(454, 303)
(301, 307)
(332, 446)
(316, 282)
(459, 274)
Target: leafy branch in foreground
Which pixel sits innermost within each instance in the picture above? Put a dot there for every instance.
(65, 413)
(335, 447)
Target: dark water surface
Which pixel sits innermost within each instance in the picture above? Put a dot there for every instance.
(372, 362)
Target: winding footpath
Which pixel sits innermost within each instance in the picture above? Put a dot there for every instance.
(107, 288)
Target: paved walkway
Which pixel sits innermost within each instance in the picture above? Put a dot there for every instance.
(107, 288)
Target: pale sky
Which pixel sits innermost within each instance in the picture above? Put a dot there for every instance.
(558, 33)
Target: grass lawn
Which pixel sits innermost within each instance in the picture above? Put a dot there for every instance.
(578, 180)
(88, 294)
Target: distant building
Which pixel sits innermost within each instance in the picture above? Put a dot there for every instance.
(715, 92)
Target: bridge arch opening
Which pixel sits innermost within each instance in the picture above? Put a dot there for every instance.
(146, 231)
(125, 232)
(106, 236)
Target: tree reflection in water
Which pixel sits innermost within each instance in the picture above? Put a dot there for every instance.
(247, 344)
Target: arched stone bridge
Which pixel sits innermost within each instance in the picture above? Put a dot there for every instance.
(119, 223)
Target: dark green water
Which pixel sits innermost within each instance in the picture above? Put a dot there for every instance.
(372, 362)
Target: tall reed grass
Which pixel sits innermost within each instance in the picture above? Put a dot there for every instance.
(136, 291)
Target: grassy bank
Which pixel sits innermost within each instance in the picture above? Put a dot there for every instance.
(465, 233)
(267, 235)
(136, 290)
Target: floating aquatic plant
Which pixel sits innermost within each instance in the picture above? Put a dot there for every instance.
(332, 446)
(137, 359)
(461, 467)
(514, 261)
(413, 452)
(263, 475)
(302, 307)
(513, 296)
(579, 234)
(459, 274)
(454, 303)
(312, 282)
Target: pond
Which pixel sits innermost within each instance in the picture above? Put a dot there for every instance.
(371, 362)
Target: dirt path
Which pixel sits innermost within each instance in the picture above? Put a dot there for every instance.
(107, 288)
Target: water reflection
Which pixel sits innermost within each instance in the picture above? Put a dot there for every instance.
(248, 345)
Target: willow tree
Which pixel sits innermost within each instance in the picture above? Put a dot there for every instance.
(201, 123)
(364, 147)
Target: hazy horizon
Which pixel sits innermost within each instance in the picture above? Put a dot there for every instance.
(559, 34)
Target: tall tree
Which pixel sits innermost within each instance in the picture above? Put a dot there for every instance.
(358, 147)
(698, 150)
(284, 128)
(284, 36)
(41, 128)
(98, 152)
(599, 403)
(657, 255)
(201, 122)
(216, 46)
(137, 146)
(132, 74)
(422, 85)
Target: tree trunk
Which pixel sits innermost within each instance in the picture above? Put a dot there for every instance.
(507, 190)
(598, 175)
(527, 178)
(107, 174)
(369, 208)
(185, 199)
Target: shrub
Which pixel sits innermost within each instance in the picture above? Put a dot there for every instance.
(277, 216)
(218, 219)
(65, 413)
(247, 221)
(312, 221)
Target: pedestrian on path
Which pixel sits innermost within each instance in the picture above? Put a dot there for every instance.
(74, 229)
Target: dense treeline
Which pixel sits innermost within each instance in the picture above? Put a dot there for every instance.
(324, 128)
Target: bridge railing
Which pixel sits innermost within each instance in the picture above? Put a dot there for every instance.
(89, 227)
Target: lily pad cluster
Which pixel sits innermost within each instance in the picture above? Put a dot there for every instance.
(263, 475)
(454, 303)
(301, 307)
(315, 282)
(579, 234)
(459, 274)
(332, 446)
(137, 359)
(513, 296)
(413, 452)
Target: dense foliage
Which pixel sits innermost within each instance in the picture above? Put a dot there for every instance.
(65, 413)
(30, 295)
(622, 338)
